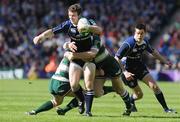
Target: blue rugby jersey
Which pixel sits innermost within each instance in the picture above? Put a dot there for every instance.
(83, 41)
(133, 51)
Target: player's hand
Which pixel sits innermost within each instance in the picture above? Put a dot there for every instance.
(69, 55)
(72, 46)
(37, 40)
(128, 75)
(83, 29)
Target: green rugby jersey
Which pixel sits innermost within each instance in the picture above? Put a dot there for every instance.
(62, 72)
(102, 53)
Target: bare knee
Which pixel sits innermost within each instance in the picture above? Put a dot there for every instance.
(56, 102)
(75, 87)
(99, 93)
(139, 95)
(118, 86)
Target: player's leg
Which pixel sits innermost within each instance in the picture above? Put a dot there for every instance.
(72, 104)
(58, 89)
(75, 72)
(137, 92)
(98, 86)
(149, 81)
(119, 89)
(89, 75)
(99, 90)
(57, 100)
(113, 70)
(99, 82)
(136, 95)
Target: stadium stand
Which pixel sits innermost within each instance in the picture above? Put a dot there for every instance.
(21, 20)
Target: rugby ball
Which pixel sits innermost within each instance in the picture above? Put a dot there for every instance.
(83, 25)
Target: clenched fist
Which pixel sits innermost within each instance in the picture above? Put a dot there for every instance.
(37, 40)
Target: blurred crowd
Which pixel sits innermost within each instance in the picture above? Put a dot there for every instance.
(22, 20)
(169, 44)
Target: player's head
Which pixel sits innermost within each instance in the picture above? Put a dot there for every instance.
(139, 33)
(74, 13)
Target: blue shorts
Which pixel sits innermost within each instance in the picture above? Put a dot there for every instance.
(139, 69)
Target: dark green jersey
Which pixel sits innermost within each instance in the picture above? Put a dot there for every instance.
(102, 53)
(105, 61)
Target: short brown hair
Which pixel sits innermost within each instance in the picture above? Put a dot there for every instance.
(75, 8)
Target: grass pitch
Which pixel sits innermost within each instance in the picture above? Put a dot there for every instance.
(19, 96)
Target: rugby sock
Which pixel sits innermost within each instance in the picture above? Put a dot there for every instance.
(45, 107)
(89, 95)
(72, 104)
(133, 98)
(161, 99)
(108, 89)
(79, 94)
(126, 99)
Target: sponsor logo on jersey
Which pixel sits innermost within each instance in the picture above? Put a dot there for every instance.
(134, 50)
(73, 30)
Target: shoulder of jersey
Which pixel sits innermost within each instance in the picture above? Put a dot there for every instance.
(130, 41)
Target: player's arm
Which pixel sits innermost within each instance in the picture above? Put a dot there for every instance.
(92, 27)
(158, 56)
(48, 34)
(91, 54)
(86, 56)
(122, 52)
(95, 29)
(121, 64)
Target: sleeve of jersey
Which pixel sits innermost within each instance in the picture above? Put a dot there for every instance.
(96, 43)
(92, 22)
(149, 48)
(63, 27)
(123, 51)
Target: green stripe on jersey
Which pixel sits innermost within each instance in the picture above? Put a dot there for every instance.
(62, 72)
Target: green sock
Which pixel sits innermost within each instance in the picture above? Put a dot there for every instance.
(108, 89)
(72, 104)
(45, 107)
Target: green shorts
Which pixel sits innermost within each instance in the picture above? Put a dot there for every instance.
(57, 87)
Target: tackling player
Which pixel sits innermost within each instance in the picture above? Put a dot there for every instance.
(111, 68)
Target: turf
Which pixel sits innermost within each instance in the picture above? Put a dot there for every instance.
(19, 96)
